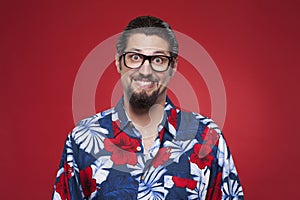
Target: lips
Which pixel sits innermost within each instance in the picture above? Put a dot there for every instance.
(144, 84)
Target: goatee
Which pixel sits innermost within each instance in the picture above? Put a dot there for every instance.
(142, 100)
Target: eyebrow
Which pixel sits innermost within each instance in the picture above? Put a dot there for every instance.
(155, 52)
(134, 49)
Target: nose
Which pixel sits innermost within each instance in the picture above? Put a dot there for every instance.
(145, 69)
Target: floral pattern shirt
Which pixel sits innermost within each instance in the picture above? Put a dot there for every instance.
(103, 158)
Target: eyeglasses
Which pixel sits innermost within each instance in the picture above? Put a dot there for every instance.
(158, 63)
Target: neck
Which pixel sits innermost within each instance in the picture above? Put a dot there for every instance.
(146, 120)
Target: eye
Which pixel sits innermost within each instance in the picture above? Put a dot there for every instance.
(135, 57)
(158, 60)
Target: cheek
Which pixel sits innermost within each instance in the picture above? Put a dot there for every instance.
(125, 76)
(125, 79)
(164, 81)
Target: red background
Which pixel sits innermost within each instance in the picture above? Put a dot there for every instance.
(255, 45)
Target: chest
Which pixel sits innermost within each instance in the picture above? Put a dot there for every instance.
(165, 173)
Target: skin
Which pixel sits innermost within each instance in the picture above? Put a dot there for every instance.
(146, 80)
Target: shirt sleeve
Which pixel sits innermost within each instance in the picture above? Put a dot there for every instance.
(225, 183)
(67, 184)
(230, 186)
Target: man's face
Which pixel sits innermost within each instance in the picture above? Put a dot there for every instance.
(144, 87)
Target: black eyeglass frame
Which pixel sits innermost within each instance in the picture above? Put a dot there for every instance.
(146, 57)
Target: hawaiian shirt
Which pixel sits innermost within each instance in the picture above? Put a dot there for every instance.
(104, 158)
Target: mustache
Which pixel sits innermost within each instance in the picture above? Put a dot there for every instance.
(145, 78)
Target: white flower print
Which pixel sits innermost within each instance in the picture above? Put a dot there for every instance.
(178, 148)
(150, 188)
(232, 189)
(100, 168)
(138, 168)
(89, 135)
(202, 179)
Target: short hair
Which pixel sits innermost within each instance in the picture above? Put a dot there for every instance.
(148, 25)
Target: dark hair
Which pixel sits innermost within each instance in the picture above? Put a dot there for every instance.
(148, 25)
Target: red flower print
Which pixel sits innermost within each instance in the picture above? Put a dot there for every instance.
(88, 184)
(123, 149)
(210, 136)
(68, 170)
(201, 156)
(214, 192)
(172, 118)
(115, 127)
(184, 182)
(62, 186)
(161, 157)
(161, 134)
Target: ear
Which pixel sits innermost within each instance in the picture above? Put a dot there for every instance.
(117, 63)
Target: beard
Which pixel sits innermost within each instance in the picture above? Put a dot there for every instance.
(142, 100)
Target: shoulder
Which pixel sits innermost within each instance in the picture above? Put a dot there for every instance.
(86, 140)
(94, 125)
(96, 117)
(192, 124)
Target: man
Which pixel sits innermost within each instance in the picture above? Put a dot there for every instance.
(145, 147)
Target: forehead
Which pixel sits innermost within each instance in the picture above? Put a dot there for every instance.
(146, 43)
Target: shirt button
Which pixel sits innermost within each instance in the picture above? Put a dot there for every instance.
(138, 148)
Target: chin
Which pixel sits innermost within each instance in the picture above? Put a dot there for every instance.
(143, 99)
